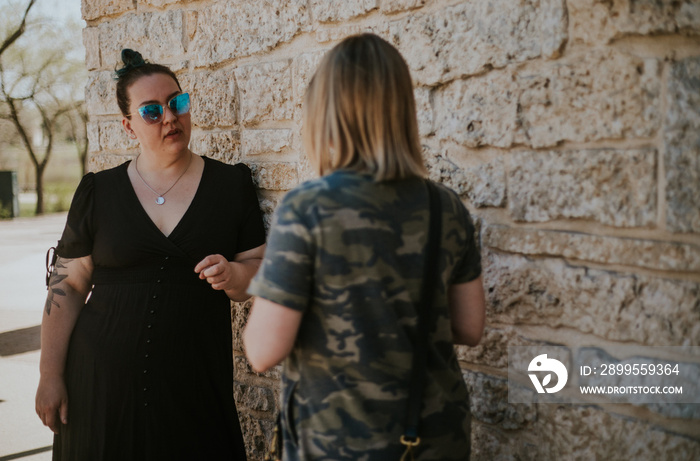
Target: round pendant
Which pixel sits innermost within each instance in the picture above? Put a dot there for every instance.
(160, 200)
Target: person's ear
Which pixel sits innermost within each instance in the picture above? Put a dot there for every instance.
(126, 123)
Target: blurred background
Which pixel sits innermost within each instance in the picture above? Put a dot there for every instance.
(42, 105)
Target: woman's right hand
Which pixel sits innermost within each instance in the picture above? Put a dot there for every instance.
(52, 402)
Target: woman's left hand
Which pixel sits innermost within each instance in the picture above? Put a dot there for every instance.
(218, 271)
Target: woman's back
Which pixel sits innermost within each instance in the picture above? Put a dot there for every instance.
(353, 262)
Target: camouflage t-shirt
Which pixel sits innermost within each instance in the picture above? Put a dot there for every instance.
(349, 253)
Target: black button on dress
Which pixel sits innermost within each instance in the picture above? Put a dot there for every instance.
(149, 370)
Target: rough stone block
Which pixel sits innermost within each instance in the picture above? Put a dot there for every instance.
(424, 110)
(265, 92)
(651, 254)
(255, 397)
(234, 29)
(588, 432)
(160, 3)
(682, 147)
(492, 350)
(243, 371)
(213, 96)
(191, 17)
(483, 184)
(303, 69)
(93, 136)
(335, 33)
(340, 10)
(275, 176)
(652, 311)
(581, 432)
(101, 94)
(488, 402)
(585, 97)
(479, 111)
(491, 443)
(470, 37)
(220, 145)
(91, 41)
(589, 96)
(239, 317)
(113, 137)
(395, 6)
(157, 36)
(104, 161)
(603, 21)
(257, 142)
(612, 187)
(257, 434)
(93, 9)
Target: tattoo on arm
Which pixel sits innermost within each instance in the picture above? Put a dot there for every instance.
(58, 275)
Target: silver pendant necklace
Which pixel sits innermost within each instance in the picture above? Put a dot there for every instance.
(160, 198)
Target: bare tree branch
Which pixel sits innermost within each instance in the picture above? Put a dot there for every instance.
(18, 32)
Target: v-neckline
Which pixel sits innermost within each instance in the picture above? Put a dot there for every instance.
(145, 214)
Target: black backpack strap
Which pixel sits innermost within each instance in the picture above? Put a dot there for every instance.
(431, 274)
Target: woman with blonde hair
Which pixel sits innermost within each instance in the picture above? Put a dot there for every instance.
(340, 284)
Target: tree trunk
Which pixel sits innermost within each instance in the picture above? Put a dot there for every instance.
(39, 169)
(83, 159)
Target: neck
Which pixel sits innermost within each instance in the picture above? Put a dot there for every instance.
(171, 164)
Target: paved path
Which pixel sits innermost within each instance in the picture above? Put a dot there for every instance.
(23, 245)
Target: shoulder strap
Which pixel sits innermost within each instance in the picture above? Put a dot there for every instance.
(431, 275)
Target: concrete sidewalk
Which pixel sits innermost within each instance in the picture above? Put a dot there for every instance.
(23, 245)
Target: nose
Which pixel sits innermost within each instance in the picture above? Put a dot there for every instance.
(168, 114)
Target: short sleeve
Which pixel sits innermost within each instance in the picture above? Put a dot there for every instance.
(251, 233)
(77, 238)
(468, 265)
(286, 273)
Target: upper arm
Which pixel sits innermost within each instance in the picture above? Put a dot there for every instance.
(76, 273)
(270, 333)
(467, 311)
(69, 283)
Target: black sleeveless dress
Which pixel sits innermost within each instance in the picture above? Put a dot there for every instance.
(149, 370)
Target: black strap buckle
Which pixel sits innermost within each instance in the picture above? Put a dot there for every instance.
(50, 264)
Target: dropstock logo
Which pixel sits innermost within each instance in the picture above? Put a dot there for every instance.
(542, 363)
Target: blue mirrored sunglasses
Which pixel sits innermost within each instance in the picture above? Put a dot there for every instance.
(153, 113)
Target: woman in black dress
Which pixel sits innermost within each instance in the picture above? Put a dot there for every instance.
(141, 369)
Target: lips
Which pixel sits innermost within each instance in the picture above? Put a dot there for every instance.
(173, 132)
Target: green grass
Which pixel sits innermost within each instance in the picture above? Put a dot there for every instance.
(26, 210)
(58, 195)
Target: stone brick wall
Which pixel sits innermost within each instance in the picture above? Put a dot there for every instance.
(571, 129)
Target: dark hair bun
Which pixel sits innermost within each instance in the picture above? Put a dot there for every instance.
(131, 59)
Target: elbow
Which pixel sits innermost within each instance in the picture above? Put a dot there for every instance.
(257, 358)
(467, 338)
(470, 341)
(259, 364)
(256, 362)
(238, 297)
(469, 334)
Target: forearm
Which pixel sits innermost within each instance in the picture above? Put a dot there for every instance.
(68, 287)
(243, 272)
(56, 329)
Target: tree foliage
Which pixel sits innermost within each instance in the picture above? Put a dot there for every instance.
(42, 82)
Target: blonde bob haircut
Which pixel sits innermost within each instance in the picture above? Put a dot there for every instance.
(359, 112)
